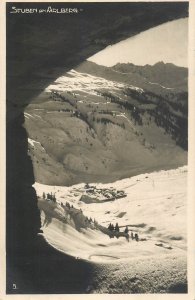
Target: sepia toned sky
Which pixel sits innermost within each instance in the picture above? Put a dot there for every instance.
(167, 42)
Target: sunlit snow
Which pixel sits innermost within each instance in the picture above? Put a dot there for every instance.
(86, 83)
(155, 207)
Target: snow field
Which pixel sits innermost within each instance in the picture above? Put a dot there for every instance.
(155, 208)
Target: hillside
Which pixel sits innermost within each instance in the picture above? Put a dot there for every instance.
(154, 264)
(97, 124)
(167, 75)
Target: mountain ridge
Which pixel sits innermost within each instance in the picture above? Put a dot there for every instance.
(94, 124)
(162, 73)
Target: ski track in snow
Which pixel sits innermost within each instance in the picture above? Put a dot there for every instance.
(123, 116)
(37, 116)
(162, 86)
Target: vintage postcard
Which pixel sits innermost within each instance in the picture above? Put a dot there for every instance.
(99, 149)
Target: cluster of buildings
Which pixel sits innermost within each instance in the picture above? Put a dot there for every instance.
(106, 193)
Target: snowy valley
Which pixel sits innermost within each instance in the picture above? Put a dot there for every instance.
(109, 146)
(154, 208)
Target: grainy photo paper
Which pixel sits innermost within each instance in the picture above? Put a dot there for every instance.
(98, 190)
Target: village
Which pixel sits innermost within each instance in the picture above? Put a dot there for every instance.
(92, 194)
(68, 214)
(121, 230)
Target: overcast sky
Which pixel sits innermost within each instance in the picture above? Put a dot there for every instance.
(167, 42)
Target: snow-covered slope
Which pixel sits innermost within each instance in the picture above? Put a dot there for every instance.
(155, 208)
(77, 81)
(98, 125)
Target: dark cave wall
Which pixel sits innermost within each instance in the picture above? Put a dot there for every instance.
(37, 44)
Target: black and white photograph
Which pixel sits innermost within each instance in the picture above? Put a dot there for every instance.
(97, 143)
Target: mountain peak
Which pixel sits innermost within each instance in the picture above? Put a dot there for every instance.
(159, 63)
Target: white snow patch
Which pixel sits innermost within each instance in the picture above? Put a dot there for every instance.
(28, 115)
(136, 88)
(33, 142)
